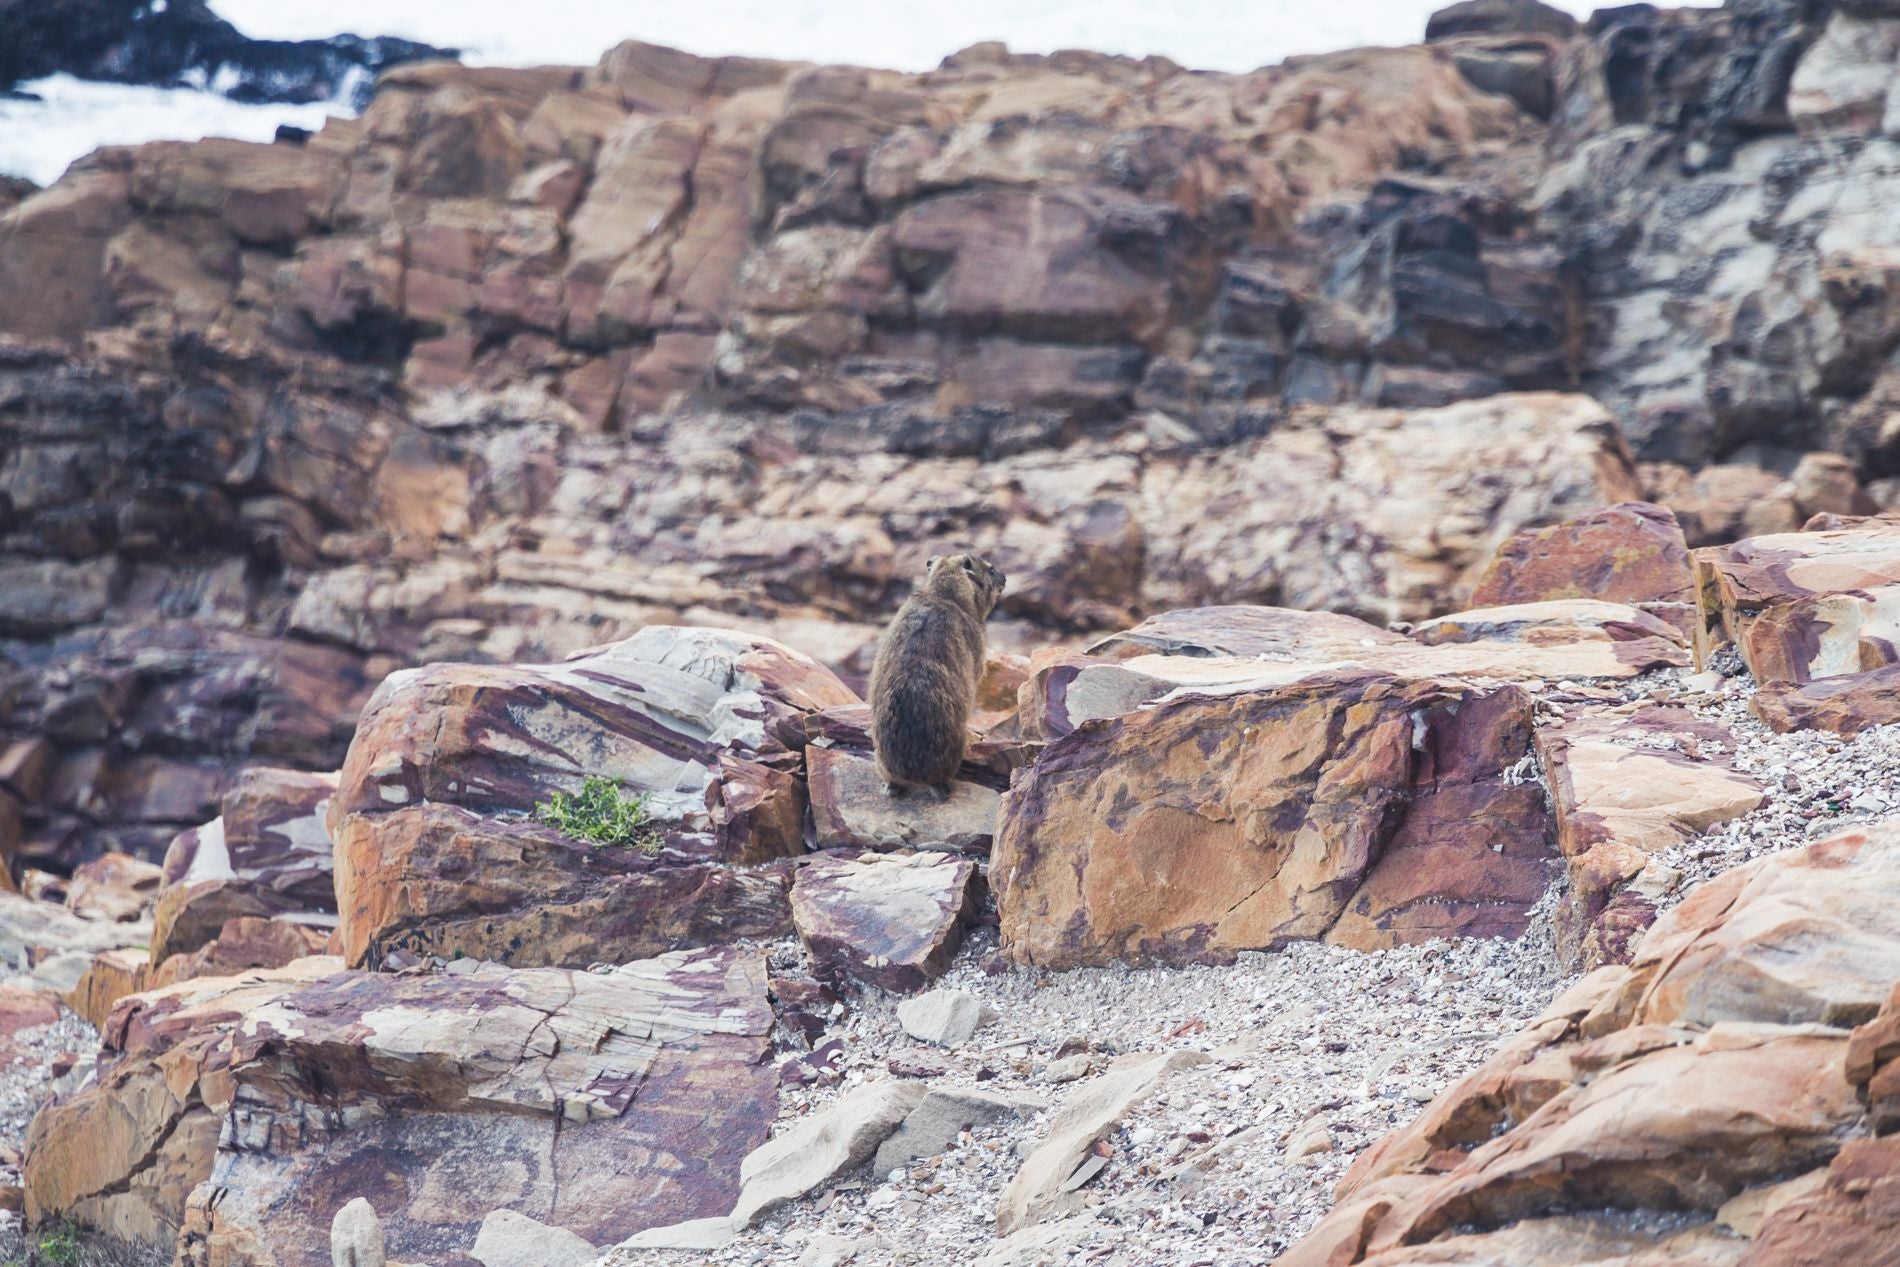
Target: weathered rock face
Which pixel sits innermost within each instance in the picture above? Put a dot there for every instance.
(1712, 1070)
(1148, 338)
(574, 1089)
(267, 854)
(1623, 788)
(125, 1151)
(1352, 806)
(436, 854)
(571, 1086)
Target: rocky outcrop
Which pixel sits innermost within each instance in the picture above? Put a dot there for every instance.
(436, 853)
(649, 1073)
(1354, 806)
(1717, 1066)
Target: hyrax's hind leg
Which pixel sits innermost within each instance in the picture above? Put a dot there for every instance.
(939, 792)
(896, 791)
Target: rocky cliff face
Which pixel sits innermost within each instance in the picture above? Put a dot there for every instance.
(522, 360)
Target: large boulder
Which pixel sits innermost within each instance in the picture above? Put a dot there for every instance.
(1351, 806)
(573, 1089)
(436, 852)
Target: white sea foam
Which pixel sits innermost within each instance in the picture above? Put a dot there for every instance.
(38, 139)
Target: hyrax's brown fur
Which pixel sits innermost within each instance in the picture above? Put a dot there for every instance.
(924, 682)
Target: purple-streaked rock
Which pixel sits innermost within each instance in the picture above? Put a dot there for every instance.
(1844, 704)
(435, 850)
(1624, 788)
(889, 920)
(124, 1151)
(571, 1090)
(1804, 605)
(1557, 622)
(267, 854)
(441, 880)
(1350, 806)
(851, 809)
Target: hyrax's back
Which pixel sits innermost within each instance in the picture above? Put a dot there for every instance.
(923, 686)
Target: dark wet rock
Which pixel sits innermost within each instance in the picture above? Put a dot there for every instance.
(183, 44)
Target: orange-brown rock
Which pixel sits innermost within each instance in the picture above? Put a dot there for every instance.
(1854, 1218)
(1713, 1074)
(435, 850)
(1351, 806)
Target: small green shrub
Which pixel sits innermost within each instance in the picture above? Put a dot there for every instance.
(600, 814)
(60, 1246)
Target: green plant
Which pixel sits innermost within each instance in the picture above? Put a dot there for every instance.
(60, 1246)
(602, 815)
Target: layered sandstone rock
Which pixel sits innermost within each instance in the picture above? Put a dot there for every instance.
(1354, 806)
(573, 1087)
(436, 852)
(1715, 1067)
(1801, 606)
(1224, 650)
(124, 1152)
(1623, 788)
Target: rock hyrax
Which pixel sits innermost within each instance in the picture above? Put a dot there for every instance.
(929, 662)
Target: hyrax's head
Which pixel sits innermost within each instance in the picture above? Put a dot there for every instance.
(968, 579)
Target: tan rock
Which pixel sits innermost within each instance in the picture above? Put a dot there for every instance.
(1624, 788)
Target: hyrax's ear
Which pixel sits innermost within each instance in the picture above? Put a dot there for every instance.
(931, 566)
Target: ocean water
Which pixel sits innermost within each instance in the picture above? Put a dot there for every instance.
(39, 139)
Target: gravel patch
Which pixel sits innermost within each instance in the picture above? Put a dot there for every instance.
(1316, 1052)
